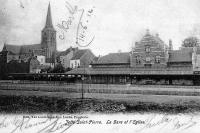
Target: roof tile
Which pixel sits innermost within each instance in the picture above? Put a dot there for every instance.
(114, 58)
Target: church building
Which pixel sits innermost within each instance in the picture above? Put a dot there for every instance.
(45, 52)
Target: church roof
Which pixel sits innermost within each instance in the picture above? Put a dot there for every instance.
(13, 49)
(114, 58)
(28, 48)
(21, 49)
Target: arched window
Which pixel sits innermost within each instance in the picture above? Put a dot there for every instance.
(157, 60)
(147, 49)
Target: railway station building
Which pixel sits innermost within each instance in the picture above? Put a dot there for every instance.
(151, 61)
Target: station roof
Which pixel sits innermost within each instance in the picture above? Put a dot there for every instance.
(114, 58)
(184, 55)
(131, 71)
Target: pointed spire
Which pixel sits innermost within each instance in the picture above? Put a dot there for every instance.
(49, 19)
(4, 47)
(147, 31)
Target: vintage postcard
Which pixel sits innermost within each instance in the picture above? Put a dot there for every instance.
(99, 66)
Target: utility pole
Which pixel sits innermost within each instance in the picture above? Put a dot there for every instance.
(83, 79)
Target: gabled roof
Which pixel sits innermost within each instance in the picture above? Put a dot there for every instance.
(95, 59)
(67, 51)
(184, 55)
(79, 54)
(151, 40)
(114, 58)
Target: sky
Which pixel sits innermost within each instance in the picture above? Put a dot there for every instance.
(111, 25)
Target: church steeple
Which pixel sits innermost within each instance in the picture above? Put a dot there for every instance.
(4, 47)
(48, 41)
(49, 18)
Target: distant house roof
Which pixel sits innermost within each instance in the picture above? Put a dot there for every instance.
(67, 51)
(198, 50)
(21, 49)
(95, 59)
(184, 55)
(114, 58)
(79, 54)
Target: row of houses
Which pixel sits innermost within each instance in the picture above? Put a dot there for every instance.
(74, 58)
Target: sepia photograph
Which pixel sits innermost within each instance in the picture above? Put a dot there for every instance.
(99, 66)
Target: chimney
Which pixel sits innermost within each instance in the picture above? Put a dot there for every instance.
(147, 31)
(157, 35)
(119, 51)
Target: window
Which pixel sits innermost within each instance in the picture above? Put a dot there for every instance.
(157, 59)
(138, 59)
(75, 63)
(147, 49)
(148, 59)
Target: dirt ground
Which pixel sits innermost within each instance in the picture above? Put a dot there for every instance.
(43, 104)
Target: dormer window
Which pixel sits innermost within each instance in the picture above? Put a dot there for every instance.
(147, 49)
(157, 60)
